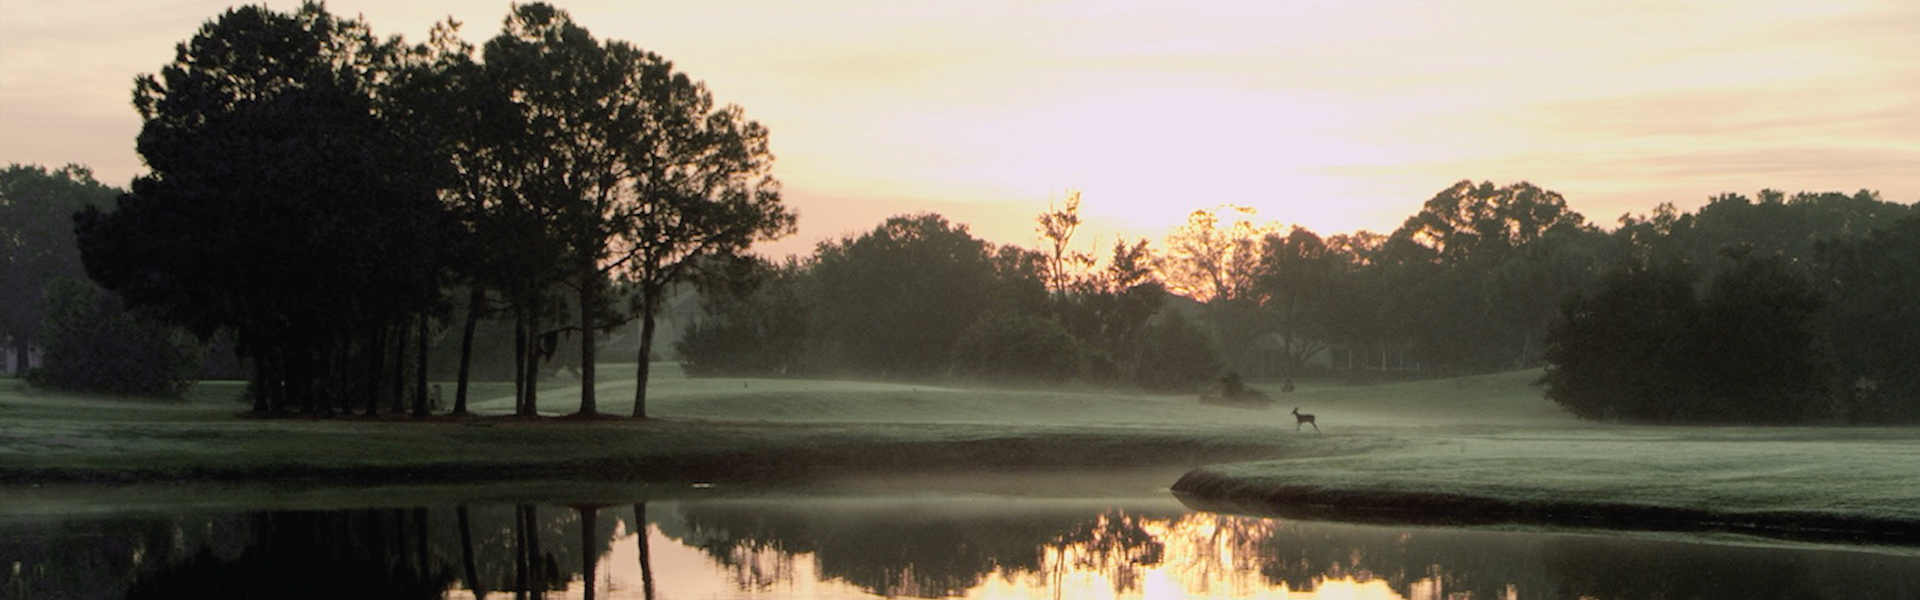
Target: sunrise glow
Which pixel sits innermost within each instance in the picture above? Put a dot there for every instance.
(1333, 115)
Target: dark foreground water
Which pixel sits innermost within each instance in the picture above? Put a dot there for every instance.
(810, 545)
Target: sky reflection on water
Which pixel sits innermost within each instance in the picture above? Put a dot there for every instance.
(900, 546)
(1198, 555)
(990, 547)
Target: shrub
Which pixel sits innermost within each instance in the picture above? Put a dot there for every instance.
(1017, 346)
(92, 344)
(1173, 355)
(1646, 347)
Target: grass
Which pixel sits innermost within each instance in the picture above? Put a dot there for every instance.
(1475, 449)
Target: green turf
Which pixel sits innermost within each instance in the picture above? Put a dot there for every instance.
(1488, 436)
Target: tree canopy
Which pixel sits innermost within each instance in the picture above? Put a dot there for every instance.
(37, 244)
(315, 188)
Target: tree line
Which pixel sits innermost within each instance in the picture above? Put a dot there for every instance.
(1783, 309)
(1787, 309)
(325, 193)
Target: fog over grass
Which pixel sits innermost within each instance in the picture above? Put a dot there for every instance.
(1489, 436)
(1467, 403)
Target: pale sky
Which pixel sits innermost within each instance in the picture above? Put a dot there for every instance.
(1336, 115)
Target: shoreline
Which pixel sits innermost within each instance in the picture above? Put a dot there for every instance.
(1205, 490)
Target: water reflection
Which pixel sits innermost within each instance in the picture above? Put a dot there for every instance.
(924, 547)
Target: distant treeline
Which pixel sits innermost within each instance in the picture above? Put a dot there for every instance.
(1785, 309)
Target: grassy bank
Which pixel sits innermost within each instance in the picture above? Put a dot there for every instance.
(1470, 450)
(704, 430)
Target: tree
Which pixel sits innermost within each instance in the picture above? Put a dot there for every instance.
(1056, 228)
(757, 323)
(895, 299)
(1298, 280)
(1644, 346)
(567, 108)
(1101, 308)
(704, 193)
(1791, 226)
(1107, 309)
(37, 243)
(1173, 355)
(1017, 346)
(92, 344)
(1207, 261)
(440, 96)
(282, 203)
(1445, 258)
(1872, 322)
(1624, 351)
(1218, 266)
(1469, 223)
(1758, 358)
(630, 165)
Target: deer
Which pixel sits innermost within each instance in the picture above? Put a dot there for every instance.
(1303, 419)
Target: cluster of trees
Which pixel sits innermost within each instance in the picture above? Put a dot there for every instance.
(84, 339)
(1784, 310)
(919, 297)
(1467, 284)
(1779, 310)
(325, 194)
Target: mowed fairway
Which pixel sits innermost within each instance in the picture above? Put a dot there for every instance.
(1434, 442)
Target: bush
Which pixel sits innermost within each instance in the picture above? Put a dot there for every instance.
(1173, 355)
(1623, 351)
(1017, 346)
(1234, 392)
(756, 325)
(1645, 347)
(91, 344)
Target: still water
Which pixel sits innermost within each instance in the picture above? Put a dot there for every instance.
(882, 545)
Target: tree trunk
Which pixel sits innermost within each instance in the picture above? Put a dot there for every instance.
(537, 581)
(22, 350)
(646, 556)
(589, 550)
(533, 375)
(1286, 352)
(339, 383)
(533, 353)
(420, 408)
(522, 582)
(294, 367)
(422, 552)
(588, 296)
(399, 368)
(261, 367)
(376, 364)
(519, 361)
(466, 554)
(646, 357)
(475, 299)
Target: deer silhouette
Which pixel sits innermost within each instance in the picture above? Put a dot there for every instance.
(1303, 419)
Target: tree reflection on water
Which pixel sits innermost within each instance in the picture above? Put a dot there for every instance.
(892, 547)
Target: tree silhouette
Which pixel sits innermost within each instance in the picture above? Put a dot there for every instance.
(37, 243)
(626, 165)
(896, 298)
(280, 201)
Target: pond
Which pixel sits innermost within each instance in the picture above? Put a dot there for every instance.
(718, 543)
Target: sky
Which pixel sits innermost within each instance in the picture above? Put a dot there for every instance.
(1336, 116)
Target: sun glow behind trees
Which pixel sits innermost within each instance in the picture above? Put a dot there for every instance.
(1334, 116)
